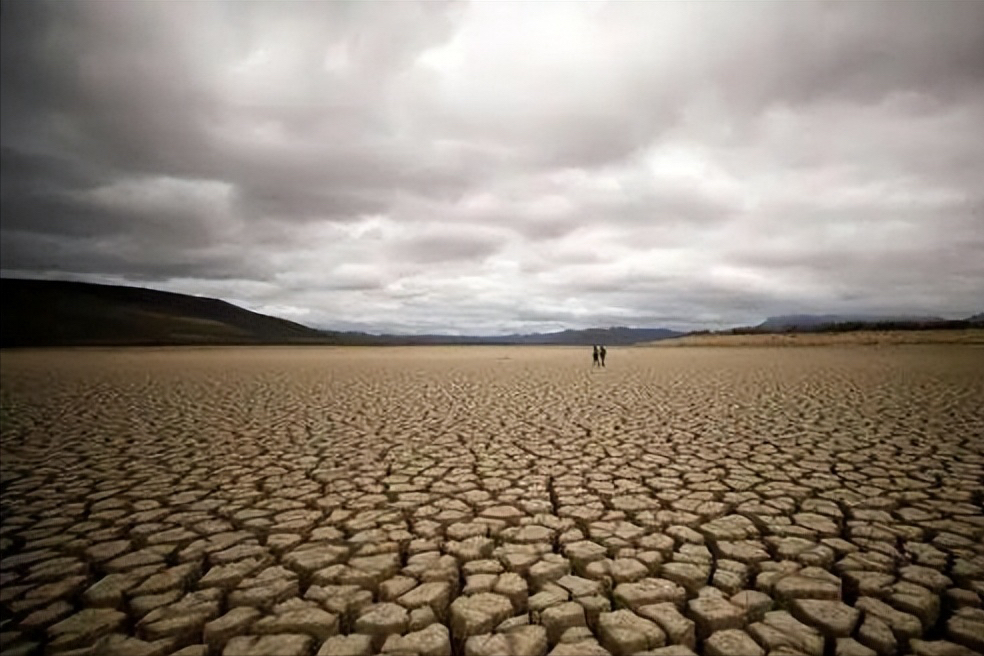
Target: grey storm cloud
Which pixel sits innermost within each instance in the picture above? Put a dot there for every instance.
(498, 167)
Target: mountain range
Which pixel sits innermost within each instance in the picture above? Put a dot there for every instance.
(845, 322)
(807, 321)
(62, 313)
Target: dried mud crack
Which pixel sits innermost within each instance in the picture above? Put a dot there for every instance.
(485, 501)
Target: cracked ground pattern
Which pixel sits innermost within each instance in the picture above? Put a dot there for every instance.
(487, 500)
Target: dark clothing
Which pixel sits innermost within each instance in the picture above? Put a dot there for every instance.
(594, 357)
(601, 354)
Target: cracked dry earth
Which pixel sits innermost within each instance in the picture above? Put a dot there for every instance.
(484, 501)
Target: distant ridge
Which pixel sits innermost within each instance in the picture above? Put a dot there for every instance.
(810, 321)
(62, 313)
(841, 323)
(615, 336)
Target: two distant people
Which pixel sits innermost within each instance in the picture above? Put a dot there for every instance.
(599, 356)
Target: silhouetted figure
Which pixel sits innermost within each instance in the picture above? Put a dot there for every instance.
(594, 356)
(601, 354)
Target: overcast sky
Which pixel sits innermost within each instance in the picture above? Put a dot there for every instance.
(501, 166)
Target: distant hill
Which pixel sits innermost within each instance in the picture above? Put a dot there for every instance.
(812, 321)
(839, 323)
(61, 313)
(619, 336)
(616, 336)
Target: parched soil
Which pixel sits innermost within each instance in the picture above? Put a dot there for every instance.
(492, 500)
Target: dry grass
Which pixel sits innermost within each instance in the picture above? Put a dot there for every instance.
(854, 338)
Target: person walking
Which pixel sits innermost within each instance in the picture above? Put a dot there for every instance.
(601, 354)
(594, 357)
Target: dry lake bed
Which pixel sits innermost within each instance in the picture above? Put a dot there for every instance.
(492, 500)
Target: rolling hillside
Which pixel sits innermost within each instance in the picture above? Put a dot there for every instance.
(60, 313)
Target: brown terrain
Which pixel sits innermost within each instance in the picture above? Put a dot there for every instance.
(492, 500)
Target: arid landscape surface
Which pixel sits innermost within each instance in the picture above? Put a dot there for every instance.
(493, 500)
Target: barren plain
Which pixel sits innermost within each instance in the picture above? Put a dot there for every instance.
(492, 500)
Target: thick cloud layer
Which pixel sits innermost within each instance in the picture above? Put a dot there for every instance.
(497, 167)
